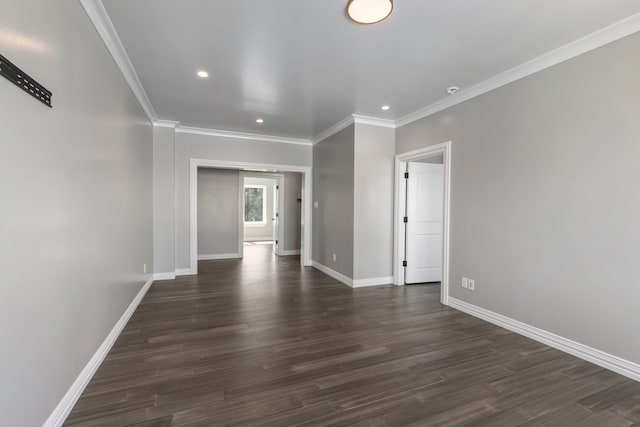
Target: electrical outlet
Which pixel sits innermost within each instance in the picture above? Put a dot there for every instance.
(315, 204)
(465, 282)
(472, 284)
(334, 257)
(144, 268)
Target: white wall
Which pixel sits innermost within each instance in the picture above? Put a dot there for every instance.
(218, 211)
(256, 232)
(545, 201)
(76, 217)
(193, 146)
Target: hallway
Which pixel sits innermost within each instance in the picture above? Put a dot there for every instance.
(264, 341)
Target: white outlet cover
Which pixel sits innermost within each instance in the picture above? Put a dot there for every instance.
(472, 285)
(315, 204)
(465, 282)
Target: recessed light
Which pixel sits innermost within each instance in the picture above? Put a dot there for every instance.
(203, 74)
(259, 121)
(385, 108)
(453, 90)
(369, 11)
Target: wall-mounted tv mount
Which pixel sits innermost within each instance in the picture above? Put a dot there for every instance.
(18, 77)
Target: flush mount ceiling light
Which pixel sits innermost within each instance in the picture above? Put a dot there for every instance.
(385, 108)
(259, 121)
(203, 74)
(369, 11)
(453, 90)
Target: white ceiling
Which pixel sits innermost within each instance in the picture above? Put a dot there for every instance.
(303, 66)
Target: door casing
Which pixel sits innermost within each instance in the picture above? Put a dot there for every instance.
(399, 205)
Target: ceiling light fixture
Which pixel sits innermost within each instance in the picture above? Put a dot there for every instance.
(369, 11)
(385, 108)
(453, 90)
(203, 74)
(259, 121)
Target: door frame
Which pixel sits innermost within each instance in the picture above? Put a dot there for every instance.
(399, 204)
(279, 178)
(306, 244)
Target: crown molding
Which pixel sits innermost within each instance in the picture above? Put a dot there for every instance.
(166, 124)
(374, 121)
(578, 47)
(101, 21)
(342, 124)
(241, 135)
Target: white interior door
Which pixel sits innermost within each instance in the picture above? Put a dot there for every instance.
(276, 218)
(423, 252)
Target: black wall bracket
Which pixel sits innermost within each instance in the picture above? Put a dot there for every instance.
(16, 76)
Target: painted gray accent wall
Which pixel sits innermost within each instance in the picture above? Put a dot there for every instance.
(261, 232)
(333, 178)
(545, 201)
(218, 211)
(76, 217)
(194, 146)
(373, 202)
(164, 205)
(292, 211)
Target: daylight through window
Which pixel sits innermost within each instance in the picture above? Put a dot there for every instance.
(255, 209)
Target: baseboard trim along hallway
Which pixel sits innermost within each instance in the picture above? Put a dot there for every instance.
(60, 413)
(590, 354)
(332, 273)
(164, 276)
(218, 256)
(375, 281)
(357, 283)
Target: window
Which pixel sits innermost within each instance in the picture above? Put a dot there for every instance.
(255, 207)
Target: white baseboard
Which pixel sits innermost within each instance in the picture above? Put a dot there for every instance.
(375, 281)
(289, 253)
(183, 272)
(590, 354)
(164, 276)
(61, 412)
(258, 239)
(218, 256)
(332, 273)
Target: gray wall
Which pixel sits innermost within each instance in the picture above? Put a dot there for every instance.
(545, 201)
(190, 146)
(76, 217)
(261, 232)
(333, 180)
(164, 232)
(373, 202)
(218, 214)
(439, 159)
(292, 211)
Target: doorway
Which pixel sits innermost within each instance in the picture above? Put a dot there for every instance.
(262, 208)
(421, 250)
(303, 204)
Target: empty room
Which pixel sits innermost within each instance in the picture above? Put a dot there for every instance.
(320, 213)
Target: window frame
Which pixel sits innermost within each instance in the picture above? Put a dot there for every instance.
(264, 205)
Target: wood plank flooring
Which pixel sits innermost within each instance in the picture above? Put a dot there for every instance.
(265, 342)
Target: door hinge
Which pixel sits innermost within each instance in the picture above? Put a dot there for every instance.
(404, 263)
(276, 242)
(406, 175)
(406, 219)
(277, 214)
(277, 187)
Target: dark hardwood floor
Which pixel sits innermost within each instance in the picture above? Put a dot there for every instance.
(265, 342)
